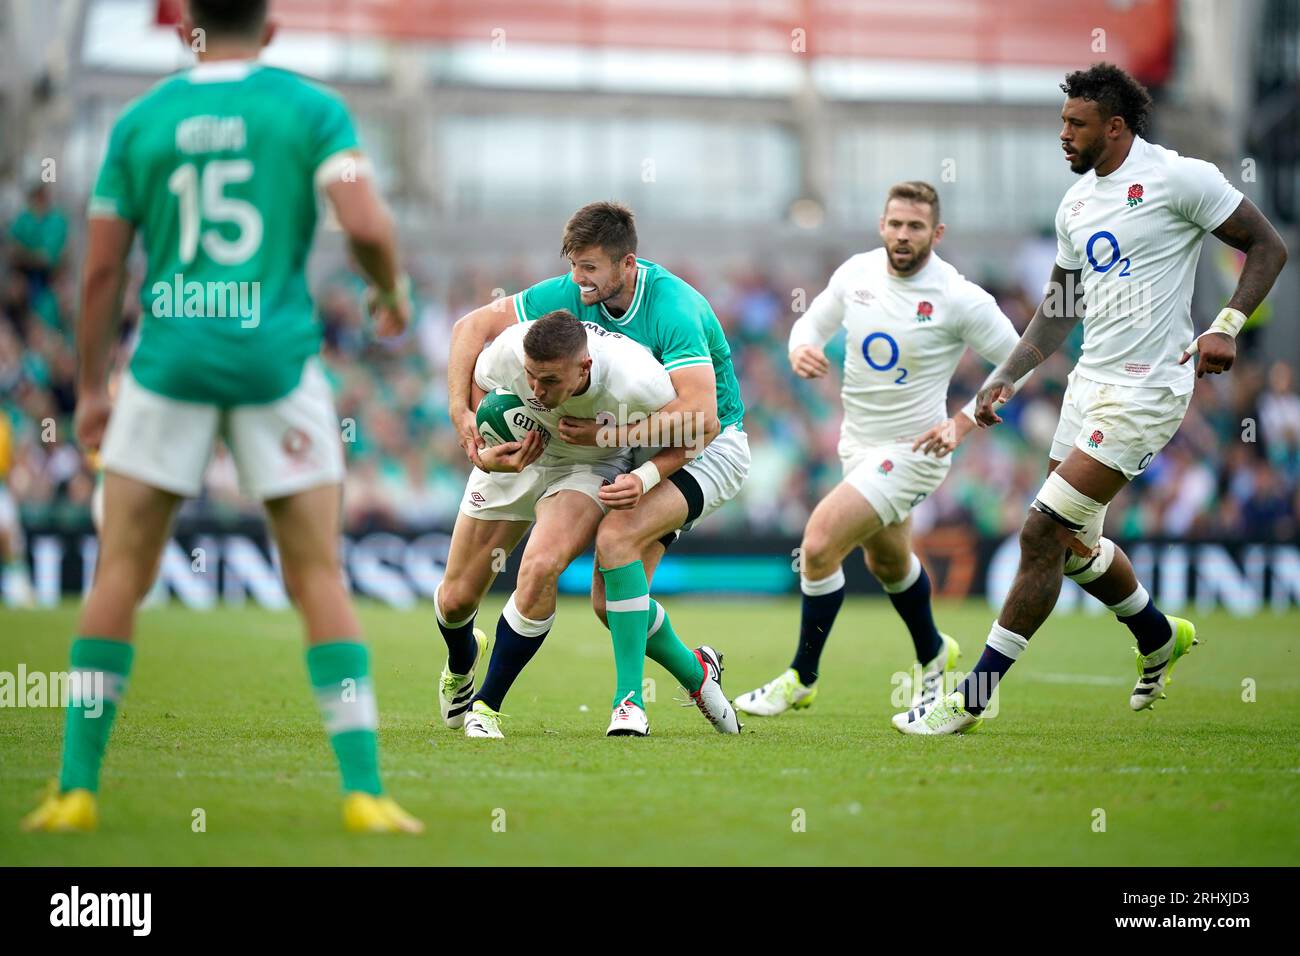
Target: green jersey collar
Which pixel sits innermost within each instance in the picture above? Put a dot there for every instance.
(637, 298)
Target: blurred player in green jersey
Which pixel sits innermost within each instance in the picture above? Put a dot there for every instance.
(218, 169)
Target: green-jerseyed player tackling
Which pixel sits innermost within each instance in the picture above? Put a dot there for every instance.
(217, 168)
(703, 455)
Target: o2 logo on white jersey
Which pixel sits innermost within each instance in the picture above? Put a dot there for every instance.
(889, 364)
(1115, 258)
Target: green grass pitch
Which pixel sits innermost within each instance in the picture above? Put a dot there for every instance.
(218, 716)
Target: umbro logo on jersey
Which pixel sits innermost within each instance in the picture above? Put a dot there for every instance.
(537, 404)
(1076, 208)
(1134, 195)
(863, 296)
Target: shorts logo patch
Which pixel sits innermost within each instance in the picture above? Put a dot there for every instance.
(1146, 460)
(477, 499)
(1134, 195)
(924, 311)
(919, 497)
(296, 443)
(886, 467)
(1095, 439)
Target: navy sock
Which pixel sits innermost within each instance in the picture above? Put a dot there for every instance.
(510, 655)
(913, 606)
(461, 646)
(977, 689)
(818, 615)
(1150, 627)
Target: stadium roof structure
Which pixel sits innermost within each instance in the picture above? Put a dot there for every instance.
(1139, 36)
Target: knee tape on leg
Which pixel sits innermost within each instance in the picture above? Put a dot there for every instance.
(1084, 570)
(1089, 557)
(1090, 536)
(1068, 507)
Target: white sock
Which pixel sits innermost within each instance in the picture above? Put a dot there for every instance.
(1007, 643)
(828, 585)
(1131, 604)
(912, 576)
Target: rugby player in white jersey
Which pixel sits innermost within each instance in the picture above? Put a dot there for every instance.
(558, 367)
(909, 317)
(1128, 236)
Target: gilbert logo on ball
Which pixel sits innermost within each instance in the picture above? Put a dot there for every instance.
(1134, 194)
(502, 416)
(1095, 439)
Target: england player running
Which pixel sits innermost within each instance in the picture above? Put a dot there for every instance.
(704, 457)
(1129, 234)
(909, 317)
(217, 167)
(559, 367)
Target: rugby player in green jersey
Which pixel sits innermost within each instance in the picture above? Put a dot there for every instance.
(697, 455)
(217, 168)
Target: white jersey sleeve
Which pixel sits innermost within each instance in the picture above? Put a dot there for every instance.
(1200, 193)
(824, 316)
(500, 363)
(987, 330)
(1067, 256)
(985, 326)
(645, 384)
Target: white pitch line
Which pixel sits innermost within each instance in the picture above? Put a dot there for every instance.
(1096, 680)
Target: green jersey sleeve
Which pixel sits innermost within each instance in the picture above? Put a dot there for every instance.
(547, 296)
(498, 365)
(333, 131)
(112, 196)
(679, 333)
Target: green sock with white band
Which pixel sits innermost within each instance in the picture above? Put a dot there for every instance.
(627, 608)
(340, 679)
(100, 669)
(665, 648)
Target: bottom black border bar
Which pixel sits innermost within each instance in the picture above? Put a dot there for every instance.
(942, 901)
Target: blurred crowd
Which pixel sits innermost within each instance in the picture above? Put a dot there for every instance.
(1232, 471)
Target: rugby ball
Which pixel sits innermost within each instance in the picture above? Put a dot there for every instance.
(502, 416)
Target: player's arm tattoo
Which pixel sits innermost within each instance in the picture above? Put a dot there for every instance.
(1248, 230)
(1053, 320)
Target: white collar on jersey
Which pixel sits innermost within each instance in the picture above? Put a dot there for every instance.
(596, 376)
(222, 71)
(637, 296)
(918, 274)
(1135, 154)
